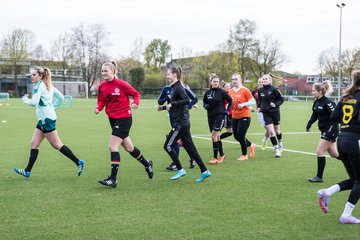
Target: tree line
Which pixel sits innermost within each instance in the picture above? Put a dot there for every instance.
(85, 48)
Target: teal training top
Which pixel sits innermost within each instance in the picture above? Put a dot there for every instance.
(46, 101)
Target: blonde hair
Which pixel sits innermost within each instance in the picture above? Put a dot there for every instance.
(45, 74)
(325, 88)
(112, 65)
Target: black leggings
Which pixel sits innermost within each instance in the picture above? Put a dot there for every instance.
(182, 132)
(240, 127)
(349, 154)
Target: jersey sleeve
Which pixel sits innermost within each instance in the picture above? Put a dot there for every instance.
(312, 119)
(132, 92)
(36, 95)
(163, 97)
(279, 97)
(192, 97)
(58, 98)
(100, 99)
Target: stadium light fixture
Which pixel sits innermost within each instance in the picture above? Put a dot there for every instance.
(341, 6)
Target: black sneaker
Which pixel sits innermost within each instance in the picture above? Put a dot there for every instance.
(108, 182)
(192, 163)
(149, 169)
(172, 167)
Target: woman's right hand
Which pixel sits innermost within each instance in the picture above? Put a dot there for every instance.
(96, 111)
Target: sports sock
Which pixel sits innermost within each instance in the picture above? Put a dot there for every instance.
(273, 141)
(67, 152)
(215, 149)
(321, 166)
(332, 190)
(225, 135)
(115, 162)
(349, 207)
(279, 136)
(138, 155)
(221, 151)
(32, 159)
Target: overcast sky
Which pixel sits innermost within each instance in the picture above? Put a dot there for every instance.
(303, 27)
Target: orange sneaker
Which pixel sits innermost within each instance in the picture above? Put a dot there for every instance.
(252, 150)
(222, 158)
(213, 161)
(243, 158)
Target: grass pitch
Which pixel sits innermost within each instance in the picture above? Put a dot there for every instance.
(263, 198)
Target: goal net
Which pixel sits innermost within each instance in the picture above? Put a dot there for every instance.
(73, 89)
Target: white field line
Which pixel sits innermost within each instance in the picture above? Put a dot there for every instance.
(207, 137)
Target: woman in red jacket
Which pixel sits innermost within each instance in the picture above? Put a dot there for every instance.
(114, 95)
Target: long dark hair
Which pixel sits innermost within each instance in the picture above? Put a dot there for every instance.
(354, 87)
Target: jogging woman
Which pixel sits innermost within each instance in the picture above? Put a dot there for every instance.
(165, 98)
(114, 96)
(46, 99)
(181, 129)
(347, 113)
(214, 102)
(241, 115)
(322, 109)
(270, 100)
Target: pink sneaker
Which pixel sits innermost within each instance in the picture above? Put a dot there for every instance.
(349, 220)
(323, 200)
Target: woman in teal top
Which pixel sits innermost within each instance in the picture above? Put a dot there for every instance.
(46, 99)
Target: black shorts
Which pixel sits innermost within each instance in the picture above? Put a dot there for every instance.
(330, 136)
(272, 117)
(46, 125)
(121, 127)
(216, 124)
(228, 121)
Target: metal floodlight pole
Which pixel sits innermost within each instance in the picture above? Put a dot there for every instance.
(341, 6)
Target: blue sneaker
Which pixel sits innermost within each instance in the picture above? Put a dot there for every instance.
(22, 172)
(80, 166)
(180, 173)
(203, 175)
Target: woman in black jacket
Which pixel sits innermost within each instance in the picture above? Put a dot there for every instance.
(322, 109)
(181, 128)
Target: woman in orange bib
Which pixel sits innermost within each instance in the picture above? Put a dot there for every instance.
(241, 115)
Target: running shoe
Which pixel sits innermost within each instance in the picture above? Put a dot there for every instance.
(243, 158)
(323, 200)
(203, 176)
(192, 163)
(316, 179)
(109, 182)
(80, 166)
(172, 167)
(349, 220)
(149, 169)
(252, 150)
(22, 172)
(280, 146)
(277, 153)
(222, 159)
(179, 173)
(213, 161)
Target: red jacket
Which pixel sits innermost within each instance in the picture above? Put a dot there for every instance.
(114, 95)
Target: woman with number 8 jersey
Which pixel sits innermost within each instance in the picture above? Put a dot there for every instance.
(347, 113)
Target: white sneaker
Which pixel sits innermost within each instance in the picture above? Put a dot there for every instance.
(263, 146)
(349, 220)
(277, 153)
(280, 146)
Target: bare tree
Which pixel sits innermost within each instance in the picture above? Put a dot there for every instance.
(91, 43)
(351, 60)
(241, 40)
(62, 50)
(16, 47)
(328, 60)
(265, 56)
(137, 53)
